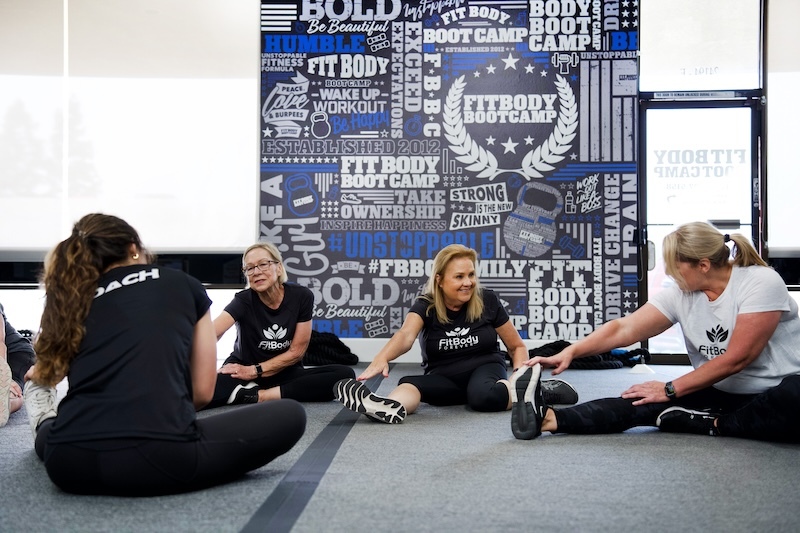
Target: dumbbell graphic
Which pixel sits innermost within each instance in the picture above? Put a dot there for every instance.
(577, 250)
(564, 61)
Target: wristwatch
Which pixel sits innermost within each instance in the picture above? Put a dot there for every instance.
(259, 370)
(669, 390)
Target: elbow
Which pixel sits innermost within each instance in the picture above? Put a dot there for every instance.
(202, 396)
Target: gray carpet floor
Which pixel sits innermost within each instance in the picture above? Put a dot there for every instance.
(447, 469)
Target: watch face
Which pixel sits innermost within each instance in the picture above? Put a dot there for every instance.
(669, 390)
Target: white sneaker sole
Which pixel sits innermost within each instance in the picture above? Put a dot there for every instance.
(357, 397)
(232, 397)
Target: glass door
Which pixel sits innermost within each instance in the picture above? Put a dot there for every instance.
(698, 165)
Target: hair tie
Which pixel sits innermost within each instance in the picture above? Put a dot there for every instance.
(727, 237)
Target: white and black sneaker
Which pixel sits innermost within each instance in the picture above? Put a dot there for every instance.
(40, 403)
(358, 398)
(244, 394)
(527, 404)
(681, 420)
(558, 392)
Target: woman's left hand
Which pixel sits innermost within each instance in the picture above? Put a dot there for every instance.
(647, 392)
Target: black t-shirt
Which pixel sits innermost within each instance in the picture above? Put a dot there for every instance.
(263, 333)
(14, 341)
(19, 350)
(460, 346)
(131, 377)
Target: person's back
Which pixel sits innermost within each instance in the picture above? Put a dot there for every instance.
(131, 375)
(137, 345)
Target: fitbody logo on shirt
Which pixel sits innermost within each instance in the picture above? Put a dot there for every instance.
(273, 336)
(715, 335)
(457, 338)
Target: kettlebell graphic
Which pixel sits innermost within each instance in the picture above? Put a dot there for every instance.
(320, 127)
(302, 199)
(530, 230)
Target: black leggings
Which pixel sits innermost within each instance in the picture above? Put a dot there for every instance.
(773, 415)
(479, 388)
(313, 384)
(230, 444)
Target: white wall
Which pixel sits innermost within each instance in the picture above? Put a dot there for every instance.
(148, 110)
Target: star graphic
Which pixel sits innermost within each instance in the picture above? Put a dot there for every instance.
(528, 140)
(510, 61)
(490, 140)
(267, 132)
(477, 74)
(509, 146)
(490, 69)
(529, 69)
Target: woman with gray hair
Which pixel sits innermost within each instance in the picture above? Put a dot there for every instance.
(457, 323)
(273, 329)
(741, 329)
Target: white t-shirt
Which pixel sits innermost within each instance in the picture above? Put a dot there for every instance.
(707, 326)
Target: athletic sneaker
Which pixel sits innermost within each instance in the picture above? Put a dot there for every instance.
(527, 403)
(558, 392)
(357, 397)
(40, 403)
(681, 420)
(244, 394)
(5, 390)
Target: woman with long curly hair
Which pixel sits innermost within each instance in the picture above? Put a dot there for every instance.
(136, 342)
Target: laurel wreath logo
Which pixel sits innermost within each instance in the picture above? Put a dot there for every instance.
(541, 159)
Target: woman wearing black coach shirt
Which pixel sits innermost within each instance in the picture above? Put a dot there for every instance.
(137, 345)
(458, 324)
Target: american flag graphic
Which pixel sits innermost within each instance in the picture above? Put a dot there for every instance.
(278, 16)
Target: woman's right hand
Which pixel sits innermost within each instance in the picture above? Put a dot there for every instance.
(558, 362)
(376, 367)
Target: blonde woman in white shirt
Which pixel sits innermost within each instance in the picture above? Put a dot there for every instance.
(742, 333)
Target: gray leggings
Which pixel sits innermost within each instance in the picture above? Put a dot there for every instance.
(773, 415)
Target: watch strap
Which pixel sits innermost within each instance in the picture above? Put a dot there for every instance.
(669, 390)
(259, 370)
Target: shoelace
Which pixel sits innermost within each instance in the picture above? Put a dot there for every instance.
(41, 399)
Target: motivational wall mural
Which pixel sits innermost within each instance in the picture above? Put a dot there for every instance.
(391, 129)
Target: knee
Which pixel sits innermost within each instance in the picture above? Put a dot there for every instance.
(788, 390)
(345, 372)
(293, 416)
(489, 403)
